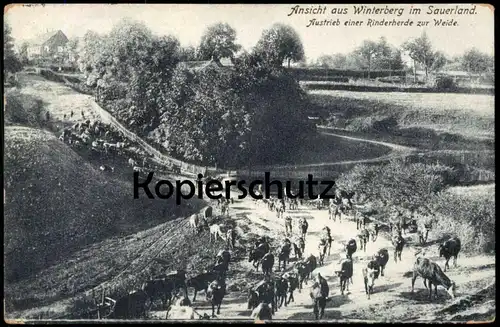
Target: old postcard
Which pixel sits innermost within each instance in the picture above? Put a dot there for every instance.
(244, 162)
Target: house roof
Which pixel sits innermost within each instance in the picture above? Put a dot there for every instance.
(202, 64)
(43, 38)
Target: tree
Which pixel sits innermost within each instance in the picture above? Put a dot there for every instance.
(72, 47)
(474, 61)
(218, 41)
(278, 43)
(367, 51)
(420, 50)
(23, 52)
(188, 53)
(12, 64)
(437, 62)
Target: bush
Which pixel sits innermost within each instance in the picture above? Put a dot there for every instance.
(22, 109)
(446, 83)
(470, 217)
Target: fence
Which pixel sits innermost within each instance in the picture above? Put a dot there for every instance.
(185, 168)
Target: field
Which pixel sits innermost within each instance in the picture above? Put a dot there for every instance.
(411, 114)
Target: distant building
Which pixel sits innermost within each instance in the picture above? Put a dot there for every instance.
(49, 46)
(224, 63)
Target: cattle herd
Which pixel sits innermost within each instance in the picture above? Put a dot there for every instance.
(276, 289)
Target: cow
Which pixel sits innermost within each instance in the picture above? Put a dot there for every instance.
(373, 230)
(332, 211)
(267, 263)
(303, 225)
(350, 248)
(288, 226)
(159, 288)
(310, 265)
(131, 306)
(215, 232)
(207, 212)
(322, 247)
(319, 295)
(448, 249)
(256, 255)
(106, 168)
(201, 282)
(398, 242)
(363, 237)
(215, 294)
(297, 252)
(370, 273)
(230, 238)
(263, 292)
(345, 274)
(194, 222)
(382, 257)
(284, 255)
(280, 291)
(302, 244)
(328, 237)
(263, 311)
(293, 283)
(431, 272)
(360, 221)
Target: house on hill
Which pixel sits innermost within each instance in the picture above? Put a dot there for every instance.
(49, 46)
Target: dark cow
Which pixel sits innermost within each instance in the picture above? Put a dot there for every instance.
(302, 244)
(398, 242)
(280, 291)
(293, 283)
(262, 312)
(345, 274)
(303, 225)
(449, 249)
(374, 229)
(382, 257)
(370, 274)
(288, 226)
(297, 252)
(311, 264)
(223, 257)
(263, 292)
(267, 263)
(360, 221)
(215, 294)
(431, 272)
(131, 306)
(201, 282)
(351, 248)
(159, 289)
(256, 255)
(207, 212)
(363, 237)
(284, 255)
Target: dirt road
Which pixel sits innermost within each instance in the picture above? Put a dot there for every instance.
(392, 299)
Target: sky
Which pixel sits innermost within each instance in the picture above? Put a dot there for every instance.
(188, 21)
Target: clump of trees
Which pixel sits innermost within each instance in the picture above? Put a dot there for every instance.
(421, 191)
(252, 113)
(379, 55)
(11, 62)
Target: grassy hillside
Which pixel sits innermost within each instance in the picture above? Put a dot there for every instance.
(436, 120)
(56, 202)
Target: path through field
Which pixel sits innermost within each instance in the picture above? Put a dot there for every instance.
(392, 300)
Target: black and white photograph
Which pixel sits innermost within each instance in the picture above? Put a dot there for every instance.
(249, 163)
